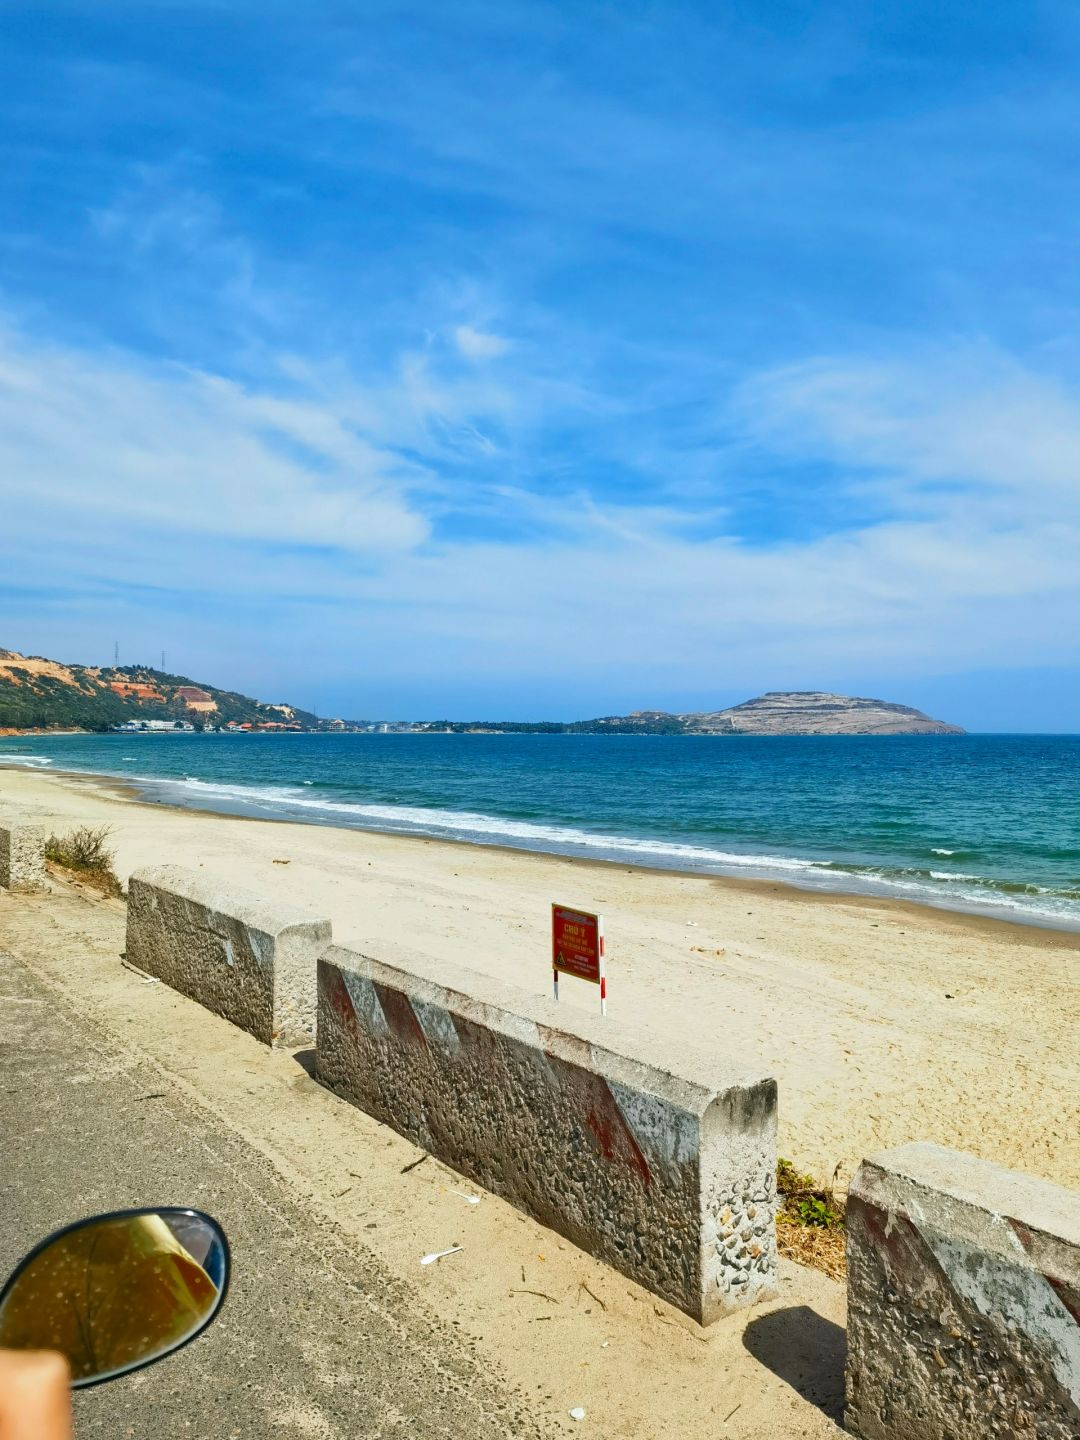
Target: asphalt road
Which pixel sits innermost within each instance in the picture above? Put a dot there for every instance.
(315, 1340)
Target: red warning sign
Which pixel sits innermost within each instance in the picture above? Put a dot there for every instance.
(577, 947)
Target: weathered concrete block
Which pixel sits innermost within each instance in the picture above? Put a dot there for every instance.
(246, 959)
(22, 855)
(665, 1172)
(963, 1301)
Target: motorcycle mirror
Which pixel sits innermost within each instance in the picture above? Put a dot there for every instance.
(116, 1292)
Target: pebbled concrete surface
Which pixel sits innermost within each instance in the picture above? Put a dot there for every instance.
(22, 865)
(246, 957)
(964, 1312)
(316, 1338)
(650, 1167)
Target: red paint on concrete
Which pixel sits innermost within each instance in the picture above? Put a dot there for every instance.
(615, 1138)
(1066, 1293)
(905, 1253)
(340, 1000)
(400, 1016)
(588, 1096)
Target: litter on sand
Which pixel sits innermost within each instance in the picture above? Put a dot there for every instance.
(440, 1254)
(577, 1413)
(145, 979)
(469, 1199)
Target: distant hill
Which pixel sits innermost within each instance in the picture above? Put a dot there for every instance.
(795, 712)
(43, 694)
(816, 712)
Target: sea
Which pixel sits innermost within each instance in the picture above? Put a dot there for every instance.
(983, 823)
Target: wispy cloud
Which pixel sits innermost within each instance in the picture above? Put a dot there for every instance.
(478, 344)
(196, 493)
(171, 452)
(965, 429)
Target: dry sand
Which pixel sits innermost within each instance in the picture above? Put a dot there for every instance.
(883, 1022)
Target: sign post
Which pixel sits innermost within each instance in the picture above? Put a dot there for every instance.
(577, 948)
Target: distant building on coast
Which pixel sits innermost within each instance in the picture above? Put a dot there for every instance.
(130, 727)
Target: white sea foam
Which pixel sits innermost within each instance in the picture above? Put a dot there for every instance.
(27, 760)
(953, 889)
(936, 851)
(468, 824)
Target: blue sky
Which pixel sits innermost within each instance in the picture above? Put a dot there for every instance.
(549, 360)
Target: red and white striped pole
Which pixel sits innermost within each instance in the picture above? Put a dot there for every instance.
(603, 973)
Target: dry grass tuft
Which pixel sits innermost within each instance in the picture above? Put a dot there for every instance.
(84, 855)
(811, 1245)
(810, 1221)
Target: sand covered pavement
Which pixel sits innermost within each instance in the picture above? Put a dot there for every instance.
(883, 1022)
(117, 1092)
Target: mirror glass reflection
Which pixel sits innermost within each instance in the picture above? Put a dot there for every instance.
(117, 1291)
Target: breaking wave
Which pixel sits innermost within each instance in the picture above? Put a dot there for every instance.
(495, 829)
(951, 889)
(793, 815)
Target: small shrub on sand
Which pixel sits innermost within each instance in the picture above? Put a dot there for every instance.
(809, 1221)
(84, 853)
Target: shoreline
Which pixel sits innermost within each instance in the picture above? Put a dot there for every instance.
(884, 1021)
(968, 917)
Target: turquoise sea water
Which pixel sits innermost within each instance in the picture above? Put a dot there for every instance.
(984, 822)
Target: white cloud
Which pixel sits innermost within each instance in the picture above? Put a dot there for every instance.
(286, 519)
(89, 441)
(479, 344)
(971, 418)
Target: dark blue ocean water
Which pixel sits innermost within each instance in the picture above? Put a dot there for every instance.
(978, 821)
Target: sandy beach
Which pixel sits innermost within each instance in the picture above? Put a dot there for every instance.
(882, 1021)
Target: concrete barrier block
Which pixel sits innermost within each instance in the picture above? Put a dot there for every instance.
(963, 1301)
(248, 960)
(664, 1171)
(22, 855)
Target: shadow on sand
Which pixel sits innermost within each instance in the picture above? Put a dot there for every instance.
(806, 1351)
(306, 1060)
